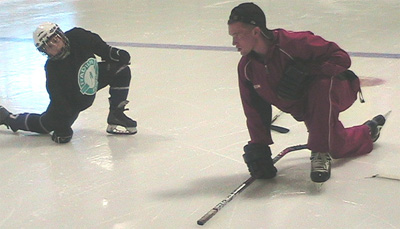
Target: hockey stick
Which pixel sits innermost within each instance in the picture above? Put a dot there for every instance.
(387, 177)
(243, 186)
(278, 129)
(276, 116)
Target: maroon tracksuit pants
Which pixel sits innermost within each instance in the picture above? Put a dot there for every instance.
(326, 99)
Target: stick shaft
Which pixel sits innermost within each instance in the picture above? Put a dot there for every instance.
(276, 116)
(388, 177)
(243, 186)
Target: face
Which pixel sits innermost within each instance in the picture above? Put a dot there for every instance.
(54, 46)
(243, 37)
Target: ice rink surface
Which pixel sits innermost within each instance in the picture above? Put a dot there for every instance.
(187, 154)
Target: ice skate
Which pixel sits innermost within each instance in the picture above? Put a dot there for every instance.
(117, 118)
(375, 125)
(4, 114)
(320, 167)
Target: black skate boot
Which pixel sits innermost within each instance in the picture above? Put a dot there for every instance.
(320, 167)
(116, 118)
(4, 115)
(375, 125)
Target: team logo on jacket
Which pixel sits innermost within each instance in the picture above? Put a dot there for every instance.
(88, 77)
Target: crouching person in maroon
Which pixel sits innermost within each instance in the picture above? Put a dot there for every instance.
(73, 76)
(301, 74)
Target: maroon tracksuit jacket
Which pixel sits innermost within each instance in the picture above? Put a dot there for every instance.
(319, 108)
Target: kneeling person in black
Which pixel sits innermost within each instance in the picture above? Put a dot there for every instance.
(73, 76)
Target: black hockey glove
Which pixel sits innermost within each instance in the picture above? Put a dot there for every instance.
(294, 82)
(259, 161)
(119, 55)
(62, 136)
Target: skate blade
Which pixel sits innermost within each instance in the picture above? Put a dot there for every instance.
(381, 126)
(387, 114)
(116, 129)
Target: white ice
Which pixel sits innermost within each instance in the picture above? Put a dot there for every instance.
(187, 154)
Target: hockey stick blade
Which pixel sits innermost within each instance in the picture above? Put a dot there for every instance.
(280, 129)
(243, 186)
